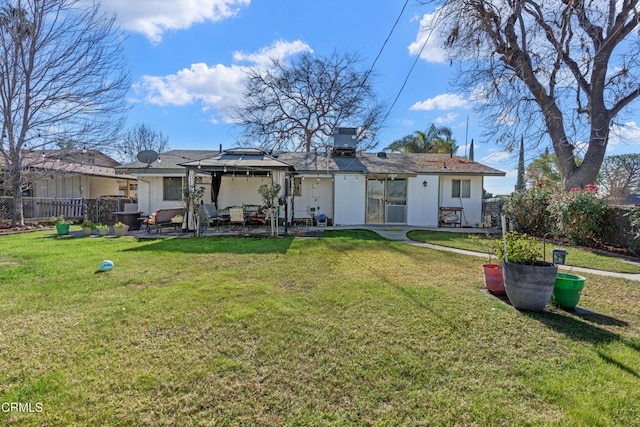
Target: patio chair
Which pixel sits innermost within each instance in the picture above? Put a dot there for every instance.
(210, 216)
(236, 217)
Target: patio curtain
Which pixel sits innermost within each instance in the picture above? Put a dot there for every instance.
(216, 181)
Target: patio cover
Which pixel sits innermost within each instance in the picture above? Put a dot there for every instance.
(235, 160)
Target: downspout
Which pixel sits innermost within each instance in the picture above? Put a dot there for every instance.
(482, 201)
(148, 195)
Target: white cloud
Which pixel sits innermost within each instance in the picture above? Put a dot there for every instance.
(278, 50)
(496, 157)
(446, 101)
(218, 87)
(427, 43)
(213, 85)
(153, 18)
(624, 135)
(447, 118)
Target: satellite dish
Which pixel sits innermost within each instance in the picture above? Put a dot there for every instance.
(147, 156)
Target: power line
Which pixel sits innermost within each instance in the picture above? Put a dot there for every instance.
(406, 79)
(366, 76)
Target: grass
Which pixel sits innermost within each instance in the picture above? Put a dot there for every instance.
(480, 243)
(344, 330)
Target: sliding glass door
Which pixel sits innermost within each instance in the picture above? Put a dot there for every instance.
(386, 201)
(375, 201)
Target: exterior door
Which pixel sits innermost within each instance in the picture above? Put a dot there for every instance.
(375, 201)
(386, 201)
(396, 201)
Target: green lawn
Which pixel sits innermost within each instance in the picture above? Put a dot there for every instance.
(348, 329)
(480, 243)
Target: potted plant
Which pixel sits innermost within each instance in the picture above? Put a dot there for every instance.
(567, 289)
(491, 270)
(88, 227)
(120, 228)
(528, 281)
(103, 229)
(62, 225)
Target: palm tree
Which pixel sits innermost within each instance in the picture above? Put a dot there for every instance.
(435, 140)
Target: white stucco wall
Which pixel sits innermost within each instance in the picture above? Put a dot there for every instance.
(422, 202)
(314, 193)
(239, 190)
(472, 206)
(150, 194)
(234, 191)
(350, 199)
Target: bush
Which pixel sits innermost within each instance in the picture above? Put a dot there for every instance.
(521, 249)
(528, 209)
(579, 215)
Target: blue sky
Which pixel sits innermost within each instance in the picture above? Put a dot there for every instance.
(188, 58)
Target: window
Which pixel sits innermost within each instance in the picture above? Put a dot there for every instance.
(172, 188)
(297, 187)
(461, 188)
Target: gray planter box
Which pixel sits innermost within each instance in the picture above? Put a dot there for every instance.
(529, 287)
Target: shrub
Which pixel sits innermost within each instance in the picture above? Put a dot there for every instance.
(60, 220)
(89, 224)
(521, 249)
(578, 214)
(528, 209)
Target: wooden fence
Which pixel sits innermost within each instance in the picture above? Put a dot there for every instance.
(99, 210)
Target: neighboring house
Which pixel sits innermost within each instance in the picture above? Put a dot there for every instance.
(75, 174)
(629, 200)
(348, 187)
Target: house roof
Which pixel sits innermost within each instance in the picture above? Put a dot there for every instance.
(303, 162)
(388, 163)
(169, 160)
(73, 162)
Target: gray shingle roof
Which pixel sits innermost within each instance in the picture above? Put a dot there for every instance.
(388, 163)
(371, 163)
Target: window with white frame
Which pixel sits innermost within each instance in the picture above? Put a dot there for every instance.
(297, 186)
(461, 188)
(172, 188)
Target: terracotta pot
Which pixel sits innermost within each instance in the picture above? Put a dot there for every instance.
(493, 279)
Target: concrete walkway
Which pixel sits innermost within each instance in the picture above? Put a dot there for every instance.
(399, 234)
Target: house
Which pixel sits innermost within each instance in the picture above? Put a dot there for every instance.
(345, 186)
(74, 174)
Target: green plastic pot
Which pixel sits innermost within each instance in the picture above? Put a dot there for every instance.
(566, 292)
(62, 229)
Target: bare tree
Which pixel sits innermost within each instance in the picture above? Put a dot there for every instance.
(63, 78)
(141, 138)
(571, 66)
(298, 106)
(620, 176)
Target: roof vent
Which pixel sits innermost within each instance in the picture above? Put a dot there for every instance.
(345, 141)
(382, 155)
